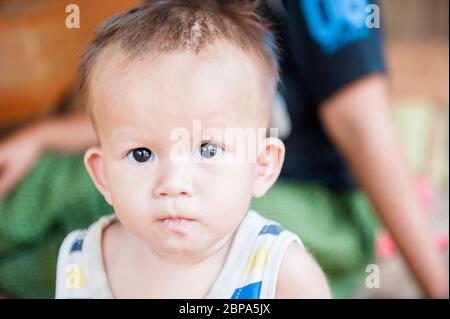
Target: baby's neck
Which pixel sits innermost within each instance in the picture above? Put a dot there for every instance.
(161, 275)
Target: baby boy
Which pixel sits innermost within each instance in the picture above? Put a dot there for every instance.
(171, 87)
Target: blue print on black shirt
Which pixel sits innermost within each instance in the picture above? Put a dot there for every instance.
(333, 24)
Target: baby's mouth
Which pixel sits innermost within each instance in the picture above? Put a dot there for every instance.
(177, 224)
(176, 221)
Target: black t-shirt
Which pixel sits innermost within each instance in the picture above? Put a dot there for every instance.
(325, 45)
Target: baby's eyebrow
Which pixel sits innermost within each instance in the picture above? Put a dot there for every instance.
(124, 138)
(219, 123)
(122, 135)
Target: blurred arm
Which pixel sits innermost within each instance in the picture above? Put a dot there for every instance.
(20, 150)
(69, 133)
(358, 121)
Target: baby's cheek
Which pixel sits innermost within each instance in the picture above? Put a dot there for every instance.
(125, 195)
(238, 180)
(229, 196)
(133, 205)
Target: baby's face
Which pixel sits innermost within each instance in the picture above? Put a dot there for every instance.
(178, 202)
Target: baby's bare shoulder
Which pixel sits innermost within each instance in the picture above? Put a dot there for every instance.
(300, 276)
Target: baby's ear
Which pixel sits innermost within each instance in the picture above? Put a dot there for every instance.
(93, 160)
(268, 165)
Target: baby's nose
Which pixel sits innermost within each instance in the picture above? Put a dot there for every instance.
(173, 184)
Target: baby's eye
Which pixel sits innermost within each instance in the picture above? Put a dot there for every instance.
(141, 155)
(209, 150)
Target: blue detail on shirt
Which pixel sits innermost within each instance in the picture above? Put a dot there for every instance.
(334, 24)
(271, 229)
(77, 245)
(251, 291)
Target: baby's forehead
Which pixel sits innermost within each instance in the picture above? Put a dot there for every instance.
(221, 54)
(220, 79)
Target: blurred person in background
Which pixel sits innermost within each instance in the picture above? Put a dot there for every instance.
(340, 138)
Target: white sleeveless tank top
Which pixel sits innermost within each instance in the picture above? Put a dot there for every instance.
(249, 272)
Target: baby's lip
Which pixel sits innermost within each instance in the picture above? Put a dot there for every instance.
(178, 224)
(176, 217)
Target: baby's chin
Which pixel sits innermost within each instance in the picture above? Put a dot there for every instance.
(179, 250)
(185, 250)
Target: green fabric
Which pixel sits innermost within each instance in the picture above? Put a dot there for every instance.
(338, 228)
(58, 196)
